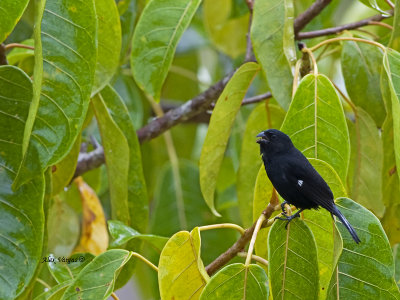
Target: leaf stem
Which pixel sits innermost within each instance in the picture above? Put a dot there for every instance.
(315, 67)
(254, 257)
(16, 45)
(380, 24)
(154, 267)
(222, 225)
(390, 3)
(338, 39)
(114, 296)
(296, 77)
(260, 220)
(42, 282)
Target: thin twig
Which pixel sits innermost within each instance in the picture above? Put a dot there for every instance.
(314, 10)
(257, 98)
(249, 46)
(381, 24)
(338, 29)
(390, 3)
(16, 45)
(223, 225)
(3, 57)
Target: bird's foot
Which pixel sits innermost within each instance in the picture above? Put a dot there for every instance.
(288, 219)
(283, 207)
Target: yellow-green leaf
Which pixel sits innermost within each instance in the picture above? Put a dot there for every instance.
(10, 12)
(181, 273)
(218, 133)
(156, 36)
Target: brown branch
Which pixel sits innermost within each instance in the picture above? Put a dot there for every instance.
(16, 45)
(338, 29)
(237, 247)
(303, 19)
(3, 58)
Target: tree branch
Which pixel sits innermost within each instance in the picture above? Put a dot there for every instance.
(337, 29)
(3, 58)
(237, 247)
(303, 19)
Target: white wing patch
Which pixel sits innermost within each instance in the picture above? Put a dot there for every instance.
(300, 182)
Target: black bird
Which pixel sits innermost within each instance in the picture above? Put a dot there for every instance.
(295, 178)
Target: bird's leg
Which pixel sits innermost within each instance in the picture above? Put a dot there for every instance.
(283, 207)
(290, 218)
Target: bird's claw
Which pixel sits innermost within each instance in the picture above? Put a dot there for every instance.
(283, 207)
(287, 218)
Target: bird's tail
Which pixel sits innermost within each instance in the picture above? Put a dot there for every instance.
(346, 223)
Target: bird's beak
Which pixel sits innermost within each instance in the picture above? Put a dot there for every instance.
(263, 139)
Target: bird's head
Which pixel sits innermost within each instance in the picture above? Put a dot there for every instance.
(274, 141)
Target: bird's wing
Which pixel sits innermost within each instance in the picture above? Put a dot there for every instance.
(310, 184)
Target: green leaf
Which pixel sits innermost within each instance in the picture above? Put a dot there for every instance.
(109, 43)
(64, 269)
(373, 276)
(56, 292)
(394, 42)
(390, 185)
(292, 261)
(250, 160)
(156, 36)
(328, 240)
(367, 156)
(233, 283)
(96, 280)
(128, 12)
(378, 5)
(218, 133)
(21, 212)
(64, 171)
(10, 13)
(17, 55)
(273, 43)
(361, 66)
(396, 255)
(63, 76)
(391, 62)
(122, 234)
(181, 273)
(116, 152)
(226, 32)
(137, 192)
(316, 123)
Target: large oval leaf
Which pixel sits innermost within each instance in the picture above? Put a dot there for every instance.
(21, 212)
(10, 12)
(361, 66)
(328, 240)
(316, 124)
(65, 59)
(156, 36)
(365, 269)
(225, 31)
(391, 62)
(221, 122)
(273, 43)
(262, 117)
(181, 273)
(97, 279)
(367, 157)
(292, 261)
(67, 269)
(108, 41)
(233, 283)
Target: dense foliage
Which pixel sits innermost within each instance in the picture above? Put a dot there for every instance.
(127, 148)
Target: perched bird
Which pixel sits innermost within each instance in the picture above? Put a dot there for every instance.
(295, 178)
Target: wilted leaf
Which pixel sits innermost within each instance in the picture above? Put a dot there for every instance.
(116, 152)
(97, 279)
(21, 211)
(122, 234)
(181, 273)
(273, 43)
(292, 261)
(65, 61)
(64, 269)
(367, 156)
(233, 283)
(94, 235)
(361, 66)
(316, 124)
(262, 117)
(156, 36)
(227, 33)
(10, 13)
(218, 133)
(367, 268)
(108, 41)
